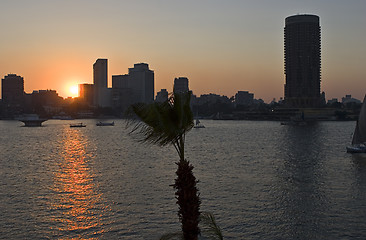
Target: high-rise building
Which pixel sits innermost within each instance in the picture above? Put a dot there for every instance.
(302, 61)
(141, 82)
(102, 96)
(100, 76)
(12, 90)
(181, 85)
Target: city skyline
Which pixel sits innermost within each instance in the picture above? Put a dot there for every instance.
(220, 47)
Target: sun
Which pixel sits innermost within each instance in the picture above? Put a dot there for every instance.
(74, 90)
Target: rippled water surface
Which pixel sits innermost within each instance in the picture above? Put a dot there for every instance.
(260, 179)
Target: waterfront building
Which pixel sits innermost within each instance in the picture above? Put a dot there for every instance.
(102, 96)
(86, 93)
(120, 81)
(121, 94)
(349, 99)
(211, 99)
(302, 61)
(162, 96)
(180, 85)
(333, 101)
(44, 101)
(244, 98)
(141, 82)
(12, 90)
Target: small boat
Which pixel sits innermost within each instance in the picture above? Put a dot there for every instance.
(105, 124)
(198, 124)
(77, 125)
(360, 148)
(359, 135)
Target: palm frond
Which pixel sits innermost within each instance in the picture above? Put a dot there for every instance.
(162, 123)
(208, 226)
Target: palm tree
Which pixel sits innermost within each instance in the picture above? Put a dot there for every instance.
(168, 123)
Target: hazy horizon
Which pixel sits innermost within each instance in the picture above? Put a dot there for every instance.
(221, 47)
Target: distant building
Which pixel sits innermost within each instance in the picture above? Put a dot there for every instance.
(121, 94)
(162, 96)
(349, 99)
(102, 96)
(333, 101)
(120, 81)
(211, 99)
(44, 102)
(180, 85)
(244, 98)
(302, 61)
(86, 93)
(12, 90)
(141, 82)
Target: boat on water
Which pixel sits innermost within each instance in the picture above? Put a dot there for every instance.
(359, 135)
(105, 123)
(198, 124)
(77, 125)
(32, 120)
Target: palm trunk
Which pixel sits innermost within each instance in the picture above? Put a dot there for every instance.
(187, 199)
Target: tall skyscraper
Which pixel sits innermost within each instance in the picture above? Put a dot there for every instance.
(181, 84)
(141, 82)
(302, 61)
(12, 90)
(100, 80)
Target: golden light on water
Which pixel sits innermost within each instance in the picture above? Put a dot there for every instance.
(77, 200)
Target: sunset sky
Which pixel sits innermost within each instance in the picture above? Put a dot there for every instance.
(221, 46)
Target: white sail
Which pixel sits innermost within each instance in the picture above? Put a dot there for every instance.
(356, 136)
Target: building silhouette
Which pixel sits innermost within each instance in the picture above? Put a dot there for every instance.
(135, 87)
(302, 61)
(12, 91)
(244, 98)
(121, 93)
(86, 93)
(102, 95)
(180, 85)
(141, 82)
(162, 96)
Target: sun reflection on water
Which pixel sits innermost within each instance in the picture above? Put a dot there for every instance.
(77, 204)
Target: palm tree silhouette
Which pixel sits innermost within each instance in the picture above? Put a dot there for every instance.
(164, 123)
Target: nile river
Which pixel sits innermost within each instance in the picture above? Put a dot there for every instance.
(261, 180)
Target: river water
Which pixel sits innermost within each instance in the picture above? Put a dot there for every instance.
(261, 180)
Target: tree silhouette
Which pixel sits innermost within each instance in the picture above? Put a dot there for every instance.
(165, 123)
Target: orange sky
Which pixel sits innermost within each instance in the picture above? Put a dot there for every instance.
(221, 46)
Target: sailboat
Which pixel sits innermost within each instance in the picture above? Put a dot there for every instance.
(198, 124)
(359, 136)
